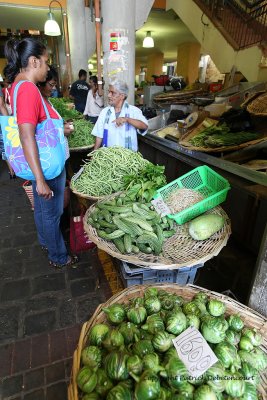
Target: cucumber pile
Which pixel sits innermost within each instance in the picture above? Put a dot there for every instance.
(132, 226)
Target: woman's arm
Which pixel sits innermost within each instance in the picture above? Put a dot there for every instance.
(3, 109)
(27, 138)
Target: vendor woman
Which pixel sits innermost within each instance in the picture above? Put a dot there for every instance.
(119, 123)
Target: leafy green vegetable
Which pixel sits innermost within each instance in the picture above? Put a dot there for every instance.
(143, 186)
(64, 111)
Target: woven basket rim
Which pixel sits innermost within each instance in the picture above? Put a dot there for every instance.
(250, 317)
(81, 148)
(254, 103)
(85, 196)
(151, 261)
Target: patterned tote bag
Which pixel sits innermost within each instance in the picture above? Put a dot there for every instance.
(49, 138)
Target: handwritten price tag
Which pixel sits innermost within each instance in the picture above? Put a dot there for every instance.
(161, 208)
(194, 351)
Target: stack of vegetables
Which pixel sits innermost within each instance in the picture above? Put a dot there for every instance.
(220, 135)
(132, 356)
(131, 225)
(81, 136)
(105, 172)
(61, 105)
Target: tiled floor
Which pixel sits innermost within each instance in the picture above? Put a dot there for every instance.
(41, 309)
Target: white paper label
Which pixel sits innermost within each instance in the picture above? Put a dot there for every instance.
(160, 207)
(194, 351)
(76, 176)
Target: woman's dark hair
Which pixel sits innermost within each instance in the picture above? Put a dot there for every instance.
(51, 74)
(18, 52)
(93, 78)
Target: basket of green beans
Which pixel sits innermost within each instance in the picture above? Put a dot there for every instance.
(81, 138)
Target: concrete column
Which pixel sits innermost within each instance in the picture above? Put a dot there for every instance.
(81, 35)
(154, 65)
(188, 55)
(123, 23)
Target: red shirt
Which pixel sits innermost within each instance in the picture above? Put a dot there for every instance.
(29, 104)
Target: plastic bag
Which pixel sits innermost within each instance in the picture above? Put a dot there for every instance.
(78, 238)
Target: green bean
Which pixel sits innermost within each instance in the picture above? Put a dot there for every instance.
(81, 135)
(103, 174)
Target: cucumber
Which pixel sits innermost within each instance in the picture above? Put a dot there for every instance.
(204, 226)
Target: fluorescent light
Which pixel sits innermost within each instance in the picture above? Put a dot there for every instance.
(90, 66)
(148, 41)
(51, 27)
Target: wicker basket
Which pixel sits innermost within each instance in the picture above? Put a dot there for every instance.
(250, 317)
(185, 142)
(256, 104)
(180, 250)
(85, 196)
(27, 186)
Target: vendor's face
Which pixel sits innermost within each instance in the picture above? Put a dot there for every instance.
(115, 98)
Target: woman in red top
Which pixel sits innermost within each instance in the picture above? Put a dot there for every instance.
(28, 60)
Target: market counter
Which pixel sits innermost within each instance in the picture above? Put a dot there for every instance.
(246, 203)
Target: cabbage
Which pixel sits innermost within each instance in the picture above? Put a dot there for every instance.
(250, 392)
(200, 296)
(151, 292)
(161, 341)
(192, 320)
(153, 324)
(214, 377)
(176, 323)
(204, 392)
(213, 329)
(235, 385)
(250, 374)
(175, 372)
(226, 353)
(113, 340)
(97, 334)
(186, 390)
(235, 322)
(91, 356)
(152, 305)
(192, 308)
(232, 336)
(115, 313)
(216, 307)
(253, 335)
(245, 344)
(256, 358)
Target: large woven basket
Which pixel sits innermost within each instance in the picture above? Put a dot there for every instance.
(85, 196)
(180, 250)
(250, 317)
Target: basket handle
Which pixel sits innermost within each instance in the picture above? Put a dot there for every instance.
(26, 183)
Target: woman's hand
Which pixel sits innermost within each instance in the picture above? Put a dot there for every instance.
(68, 128)
(44, 190)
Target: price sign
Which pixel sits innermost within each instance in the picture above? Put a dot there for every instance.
(161, 207)
(76, 176)
(194, 351)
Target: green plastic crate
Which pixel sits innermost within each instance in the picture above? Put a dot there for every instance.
(212, 186)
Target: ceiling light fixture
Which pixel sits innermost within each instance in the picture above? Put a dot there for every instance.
(148, 41)
(51, 27)
(164, 69)
(90, 66)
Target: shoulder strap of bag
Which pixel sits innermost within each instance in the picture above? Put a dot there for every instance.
(15, 99)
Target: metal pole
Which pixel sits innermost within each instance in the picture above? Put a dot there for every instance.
(98, 46)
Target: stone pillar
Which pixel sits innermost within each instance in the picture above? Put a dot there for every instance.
(154, 65)
(188, 55)
(81, 35)
(120, 64)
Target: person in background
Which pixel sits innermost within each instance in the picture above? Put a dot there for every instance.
(119, 123)
(94, 102)
(27, 60)
(4, 111)
(79, 91)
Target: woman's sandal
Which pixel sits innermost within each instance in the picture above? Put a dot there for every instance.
(71, 261)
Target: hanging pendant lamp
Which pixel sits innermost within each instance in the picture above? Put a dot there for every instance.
(51, 27)
(148, 41)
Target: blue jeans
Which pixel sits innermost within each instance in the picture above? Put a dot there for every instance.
(47, 215)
